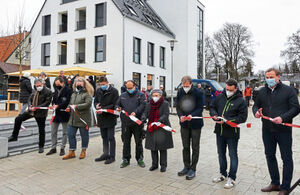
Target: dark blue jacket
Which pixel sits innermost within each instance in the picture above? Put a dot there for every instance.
(190, 103)
(62, 99)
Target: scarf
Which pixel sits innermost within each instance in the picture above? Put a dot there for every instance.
(154, 113)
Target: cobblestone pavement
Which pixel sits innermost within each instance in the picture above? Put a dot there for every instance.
(34, 173)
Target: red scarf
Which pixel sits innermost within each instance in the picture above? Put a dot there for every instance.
(154, 113)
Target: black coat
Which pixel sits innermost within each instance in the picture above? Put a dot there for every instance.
(131, 103)
(62, 99)
(159, 139)
(107, 100)
(234, 109)
(44, 100)
(190, 103)
(25, 89)
(47, 83)
(282, 102)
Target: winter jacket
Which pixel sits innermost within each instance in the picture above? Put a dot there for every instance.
(25, 89)
(83, 101)
(62, 99)
(248, 92)
(159, 139)
(107, 100)
(44, 100)
(131, 103)
(282, 101)
(234, 109)
(190, 103)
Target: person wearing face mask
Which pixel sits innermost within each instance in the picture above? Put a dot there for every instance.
(46, 80)
(106, 98)
(132, 102)
(61, 99)
(279, 102)
(232, 106)
(157, 139)
(41, 97)
(189, 103)
(81, 101)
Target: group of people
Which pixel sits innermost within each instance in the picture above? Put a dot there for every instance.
(72, 108)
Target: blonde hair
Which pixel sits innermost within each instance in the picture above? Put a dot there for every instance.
(89, 88)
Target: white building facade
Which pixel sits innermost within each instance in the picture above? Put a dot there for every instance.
(127, 38)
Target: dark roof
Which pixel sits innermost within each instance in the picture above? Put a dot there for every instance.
(142, 12)
(9, 68)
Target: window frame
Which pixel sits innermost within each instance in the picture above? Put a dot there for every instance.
(44, 32)
(44, 57)
(150, 46)
(162, 57)
(103, 49)
(104, 15)
(138, 52)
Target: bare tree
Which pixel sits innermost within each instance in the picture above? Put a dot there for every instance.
(234, 44)
(292, 52)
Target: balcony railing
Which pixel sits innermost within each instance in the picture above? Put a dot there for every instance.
(81, 25)
(80, 58)
(63, 28)
(62, 59)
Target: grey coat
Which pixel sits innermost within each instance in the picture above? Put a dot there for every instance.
(159, 139)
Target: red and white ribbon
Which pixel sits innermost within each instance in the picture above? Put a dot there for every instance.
(108, 111)
(284, 124)
(53, 117)
(165, 127)
(228, 122)
(76, 113)
(133, 118)
(42, 108)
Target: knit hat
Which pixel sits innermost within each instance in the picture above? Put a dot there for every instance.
(156, 91)
(26, 74)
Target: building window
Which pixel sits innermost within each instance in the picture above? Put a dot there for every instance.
(80, 52)
(150, 78)
(67, 1)
(200, 43)
(136, 50)
(162, 81)
(162, 54)
(150, 54)
(101, 14)
(100, 48)
(81, 19)
(63, 26)
(46, 54)
(62, 57)
(136, 77)
(131, 10)
(46, 25)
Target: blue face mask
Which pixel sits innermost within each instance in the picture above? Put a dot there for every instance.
(271, 82)
(131, 91)
(103, 87)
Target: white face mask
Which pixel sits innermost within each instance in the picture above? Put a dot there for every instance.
(186, 89)
(229, 93)
(39, 88)
(155, 99)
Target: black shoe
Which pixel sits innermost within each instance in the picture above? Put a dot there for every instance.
(110, 160)
(62, 152)
(191, 174)
(152, 168)
(163, 169)
(183, 172)
(41, 150)
(52, 151)
(12, 139)
(102, 158)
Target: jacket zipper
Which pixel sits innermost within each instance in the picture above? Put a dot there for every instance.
(225, 109)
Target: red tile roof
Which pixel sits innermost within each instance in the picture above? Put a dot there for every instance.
(8, 44)
(9, 68)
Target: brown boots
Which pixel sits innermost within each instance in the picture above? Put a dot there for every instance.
(82, 154)
(70, 155)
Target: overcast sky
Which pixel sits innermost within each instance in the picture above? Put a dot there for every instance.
(271, 21)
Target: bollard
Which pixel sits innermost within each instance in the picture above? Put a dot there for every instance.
(3, 147)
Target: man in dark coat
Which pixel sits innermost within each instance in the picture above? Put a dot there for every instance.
(25, 91)
(106, 97)
(279, 102)
(132, 102)
(39, 98)
(46, 80)
(123, 88)
(61, 99)
(158, 139)
(231, 105)
(189, 103)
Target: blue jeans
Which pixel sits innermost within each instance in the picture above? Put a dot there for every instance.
(285, 141)
(72, 137)
(232, 143)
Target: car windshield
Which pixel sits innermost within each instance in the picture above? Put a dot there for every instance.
(217, 85)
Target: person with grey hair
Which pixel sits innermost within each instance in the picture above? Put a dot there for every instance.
(41, 97)
(45, 79)
(25, 91)
(157, 139)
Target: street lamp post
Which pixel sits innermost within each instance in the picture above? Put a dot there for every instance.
(172, 44)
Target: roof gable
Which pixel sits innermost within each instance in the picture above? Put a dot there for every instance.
(8, 45)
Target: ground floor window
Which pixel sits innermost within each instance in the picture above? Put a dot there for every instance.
(150, 78)
(136, 77)
(162, 81)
